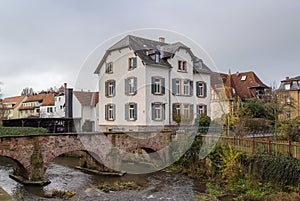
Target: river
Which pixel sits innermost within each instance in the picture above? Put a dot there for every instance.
(156, 186)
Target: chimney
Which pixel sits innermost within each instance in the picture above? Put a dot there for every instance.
(161, 39)
(287, 78)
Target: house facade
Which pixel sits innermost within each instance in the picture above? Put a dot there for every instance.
(289, 97)
(229, 89)
(148, 84)
(85, 111)
(11, 106)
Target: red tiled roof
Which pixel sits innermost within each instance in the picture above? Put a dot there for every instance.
(48, 100)
(16, 100)
(242, 83)
(37, 97)
(87, 98)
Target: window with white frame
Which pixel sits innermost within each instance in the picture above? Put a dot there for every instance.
(182, 66)
(131, 111)
(132, 63)
(186, 87)
(201, 109)
(177, 87)
(110, 112)
(110, 88)
(158, 85)
(186, 111)
(109, 67)
(158, 111)
(201, 89)
(131, 86)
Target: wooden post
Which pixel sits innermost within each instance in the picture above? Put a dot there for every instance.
(269, 145)
(289, 148)
(253, 143)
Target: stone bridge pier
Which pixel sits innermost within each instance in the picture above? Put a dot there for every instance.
(33, 154)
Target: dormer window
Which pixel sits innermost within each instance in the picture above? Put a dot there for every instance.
(157, 57)
(182, 66)
(244, 77)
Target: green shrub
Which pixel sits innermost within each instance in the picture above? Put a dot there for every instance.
(13, 131)
(282, 170)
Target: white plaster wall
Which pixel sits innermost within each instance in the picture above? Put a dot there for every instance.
(120, 73)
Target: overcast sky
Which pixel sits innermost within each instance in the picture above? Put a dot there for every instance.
(46, 43)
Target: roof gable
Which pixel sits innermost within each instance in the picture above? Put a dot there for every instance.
(87, 98)
(146, 48)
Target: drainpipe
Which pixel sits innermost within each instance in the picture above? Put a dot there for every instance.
(170, 108)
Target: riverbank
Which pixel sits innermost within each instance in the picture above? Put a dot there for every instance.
(4, 196)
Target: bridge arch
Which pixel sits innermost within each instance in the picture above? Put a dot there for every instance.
(19, 168)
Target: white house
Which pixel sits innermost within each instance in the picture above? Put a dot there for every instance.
(59, 110)
(85, 110)
(149, 84)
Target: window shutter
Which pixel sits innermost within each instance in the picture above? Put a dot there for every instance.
(197, 89)
(173, 110)
(205, 89)
(106, 112)
(135, 111)
(191, 110)
(191, 88)
(106, 88)
(114, 85)
(163, 83)
(114, 111)
(126, 86)
(135, 85)
(152, 85)
(205, 109)
(173, 86)
(164, 111)
(106, 67)
(127, 111)
(134, 62)
(153, 111)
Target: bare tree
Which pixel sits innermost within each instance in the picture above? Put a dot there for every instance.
(27, 91)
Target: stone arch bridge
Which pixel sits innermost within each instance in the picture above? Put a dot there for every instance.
(34, 153)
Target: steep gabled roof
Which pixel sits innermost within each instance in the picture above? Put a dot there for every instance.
(142, 48)
(16, 100)
(240, 84)
(87, 98)
(36, 97)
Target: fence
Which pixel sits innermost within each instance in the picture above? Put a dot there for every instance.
(259, 145)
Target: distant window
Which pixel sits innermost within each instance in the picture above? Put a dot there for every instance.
(201, 109)
(132, 63)
(182, 66)
(109, 67)
(244, 77)
(287, 86)
(288, 100)
(288, 115)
